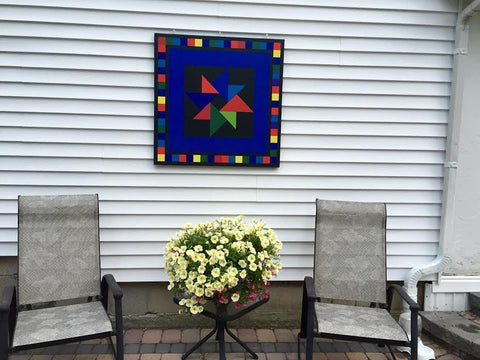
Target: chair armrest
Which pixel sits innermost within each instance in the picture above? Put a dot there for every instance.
(109, 283)
(413, 316)
(309, 288)
(404, 295)
(308, 300)
(113, 286)
(8, 296)
(8, 316)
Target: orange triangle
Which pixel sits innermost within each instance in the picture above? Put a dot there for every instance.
(204, 114)
(207, 88)
(237, 105)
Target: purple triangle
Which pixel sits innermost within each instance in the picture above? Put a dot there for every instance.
(221, 84)
(201, 100)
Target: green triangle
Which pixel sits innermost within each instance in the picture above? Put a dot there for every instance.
(231, 117)
(216, 120)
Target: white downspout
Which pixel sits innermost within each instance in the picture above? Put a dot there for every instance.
(468, 12)
(447, 227)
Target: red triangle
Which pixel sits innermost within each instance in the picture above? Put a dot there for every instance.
(204, 114)
(207, 88)
(236, 105)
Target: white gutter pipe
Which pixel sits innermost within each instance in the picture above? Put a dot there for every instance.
(468, 12)
(448, 209)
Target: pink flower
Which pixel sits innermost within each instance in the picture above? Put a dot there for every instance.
(237, 305)
(252, 296)
(222, 299)
(197, 299)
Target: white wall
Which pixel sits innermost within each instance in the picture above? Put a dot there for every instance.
(365, 108)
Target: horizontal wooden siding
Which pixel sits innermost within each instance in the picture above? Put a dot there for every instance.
(365, 105)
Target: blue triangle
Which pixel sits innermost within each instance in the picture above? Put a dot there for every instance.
(221, 84)
(201, 100)
(234, 90)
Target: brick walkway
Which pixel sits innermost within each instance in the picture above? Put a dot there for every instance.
(157, 344)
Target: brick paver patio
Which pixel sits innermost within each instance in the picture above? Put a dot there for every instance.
(170, 344)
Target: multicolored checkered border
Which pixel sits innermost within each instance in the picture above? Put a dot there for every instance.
(276, 48)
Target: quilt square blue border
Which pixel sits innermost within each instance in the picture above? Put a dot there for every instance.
(235, 121)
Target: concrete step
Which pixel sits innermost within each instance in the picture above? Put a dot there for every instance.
(458, 330)
(474, 301)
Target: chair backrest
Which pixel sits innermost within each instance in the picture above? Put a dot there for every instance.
(58, 248)
(350, 251)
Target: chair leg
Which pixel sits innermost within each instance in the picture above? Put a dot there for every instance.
(4, 339)
(119, 329)
(3, 352)
(119, 346)
(298, 346)
(309, 346)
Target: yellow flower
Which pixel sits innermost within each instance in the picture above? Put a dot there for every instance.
(215, 272)
(251, 258)
(196, 309)
(235, 297)
(242, 263)
(223, 240)
(252, 266)
(183, 274)
(199, 291)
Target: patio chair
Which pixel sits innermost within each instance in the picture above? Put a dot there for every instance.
(349, 264)
(59, 297)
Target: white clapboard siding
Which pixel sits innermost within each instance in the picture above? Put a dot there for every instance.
(364, 117)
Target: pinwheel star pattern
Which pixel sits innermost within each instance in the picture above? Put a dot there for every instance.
(232, 102)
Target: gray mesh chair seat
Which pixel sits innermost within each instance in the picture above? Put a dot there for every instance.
(58, 261)
(359, 322)
(350, 265)
(60, 323)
